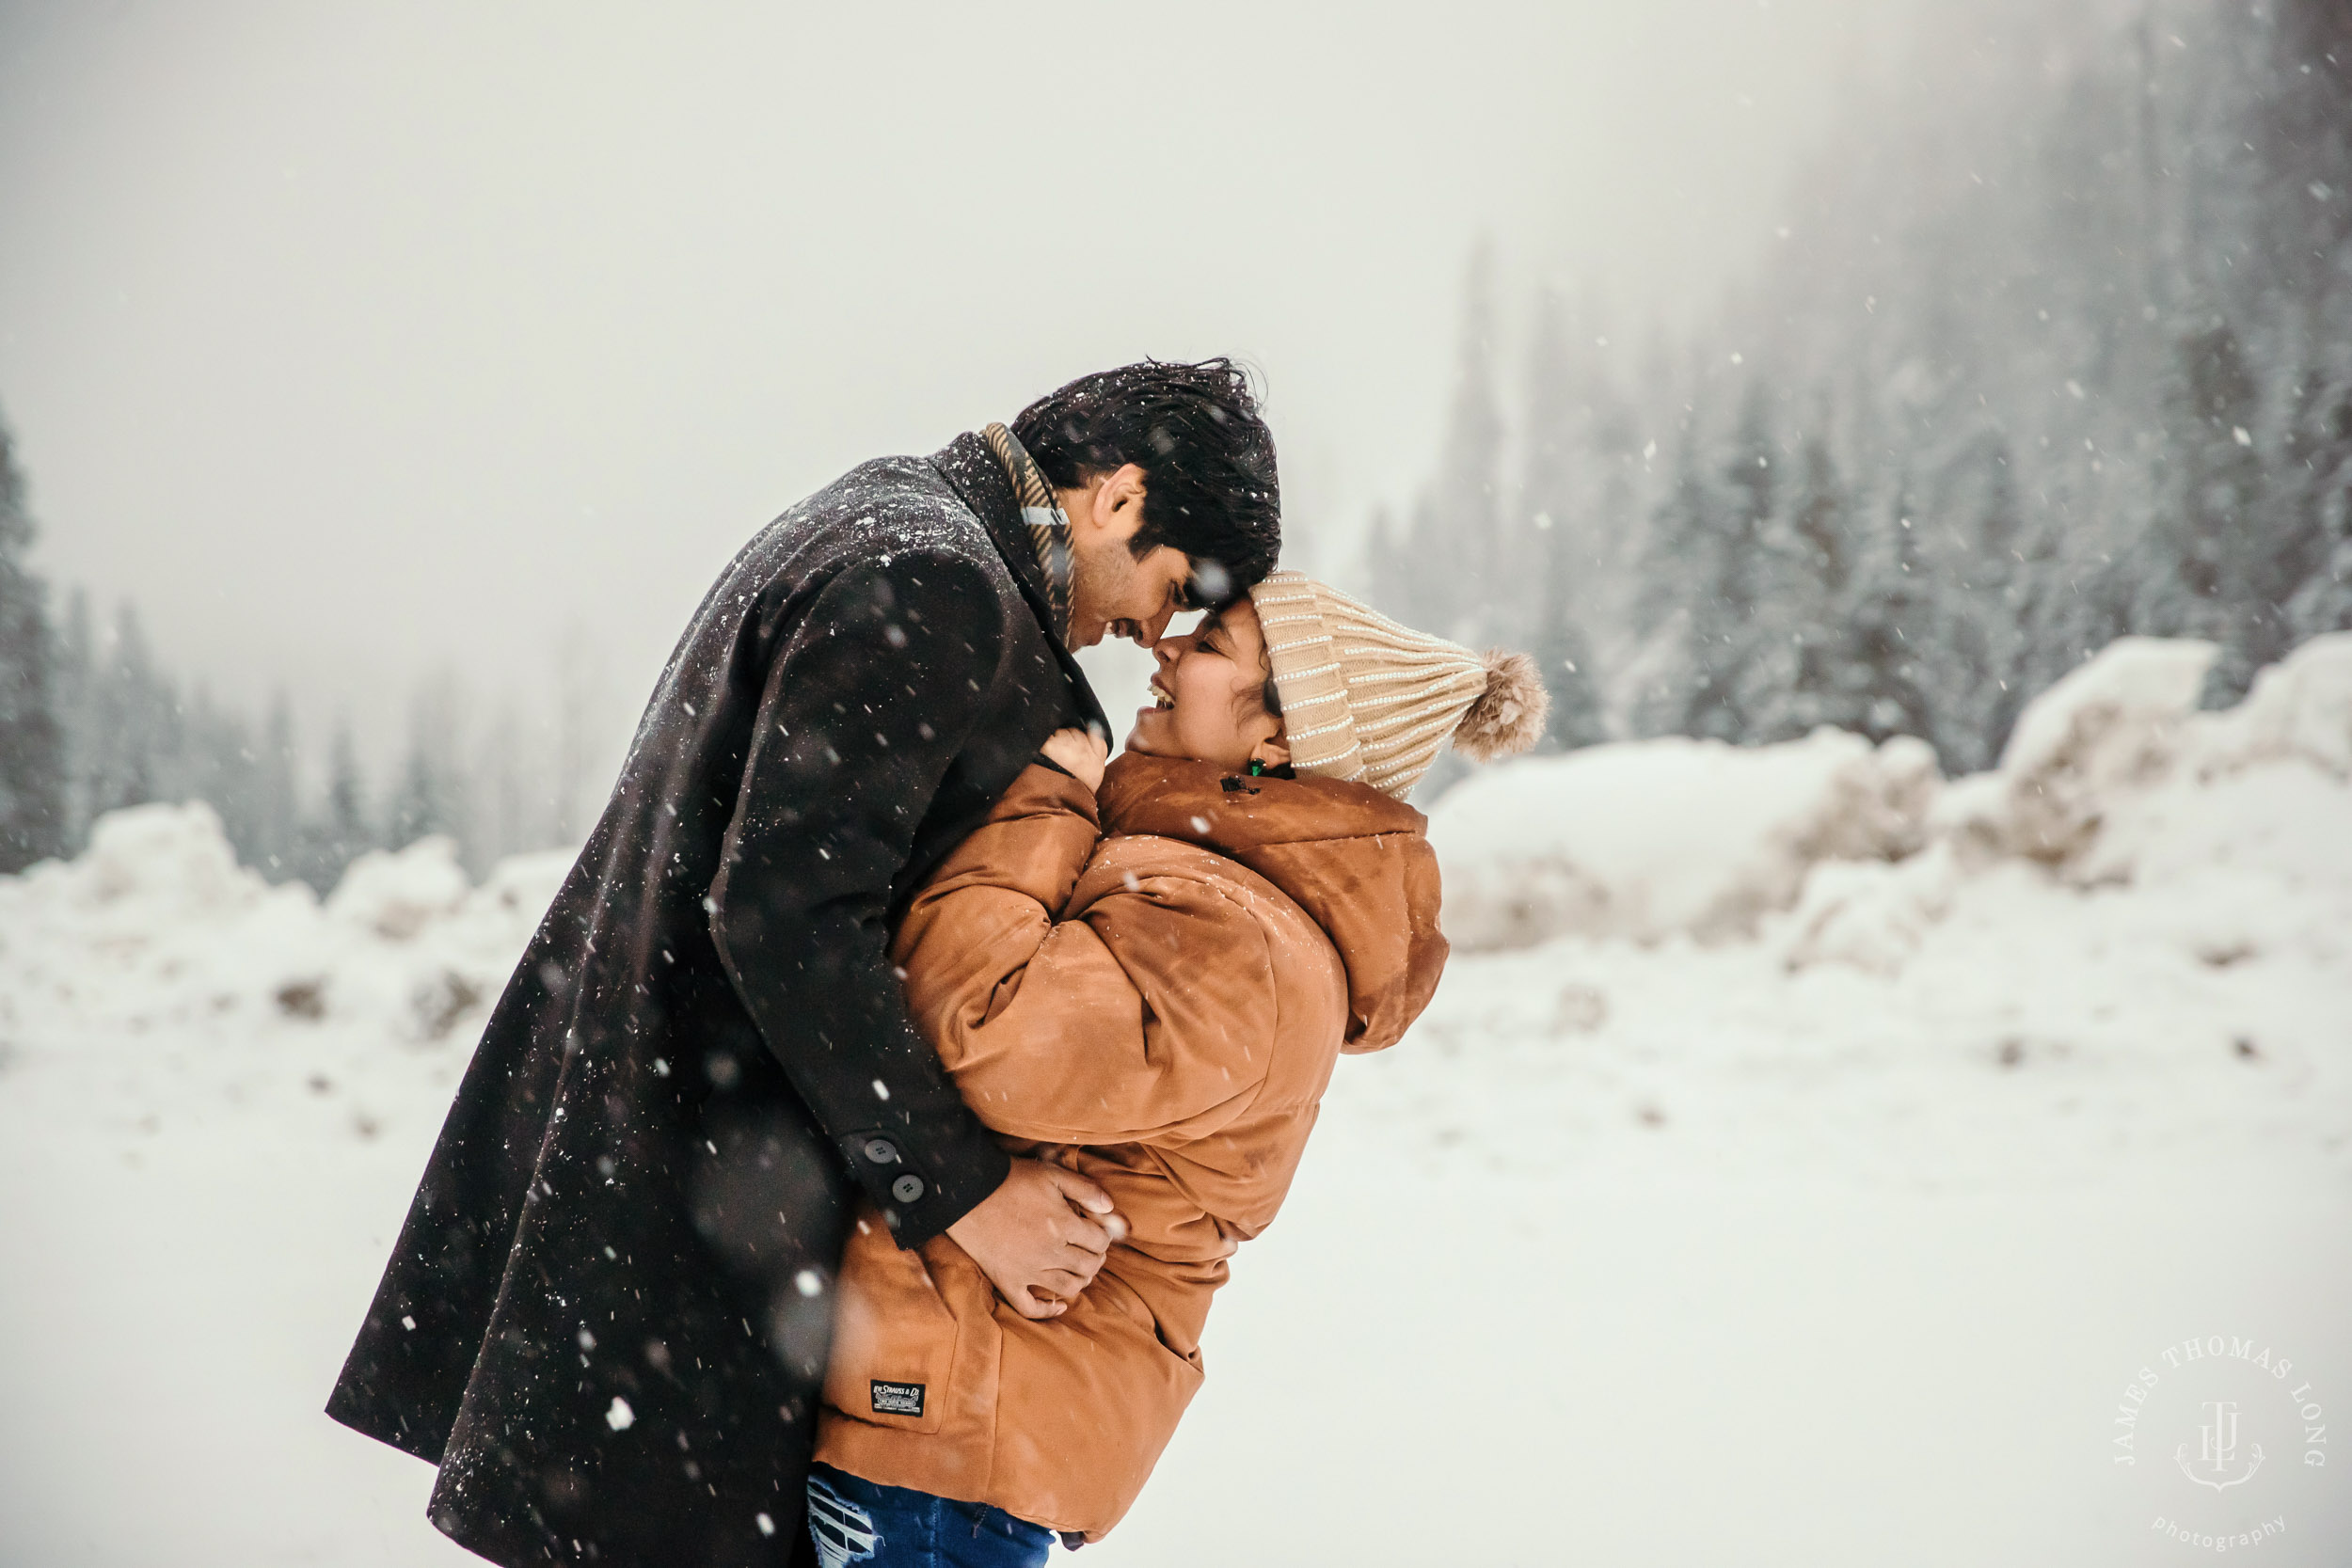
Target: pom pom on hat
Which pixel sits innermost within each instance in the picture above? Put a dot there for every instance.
(1508, 717)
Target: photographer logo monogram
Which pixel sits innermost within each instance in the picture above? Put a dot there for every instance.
(2218, 1438)
(2219, 1426)
(2218, 1450)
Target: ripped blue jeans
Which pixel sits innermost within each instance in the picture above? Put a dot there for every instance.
(856, 1521)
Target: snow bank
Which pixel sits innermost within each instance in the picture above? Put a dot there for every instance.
(2238, 824)
(2299, 710)
(2111, 776)
(1653, 838)
(156, 925)
(2113, 725)
(2105, 768)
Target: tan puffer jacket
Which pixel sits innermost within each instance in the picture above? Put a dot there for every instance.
(1158, 1007)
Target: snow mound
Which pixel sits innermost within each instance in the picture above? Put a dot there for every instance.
(165, 857)
(1869, 915)
(2113, 725)
(2111, 777)
(157, 926)
(2237, 824)
(397, 895)
(1654, 838)
(2299, 709)
(2114, 765)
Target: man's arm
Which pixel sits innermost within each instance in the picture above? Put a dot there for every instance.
(867, 703)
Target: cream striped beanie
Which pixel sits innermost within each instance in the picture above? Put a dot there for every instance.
(1369, 701)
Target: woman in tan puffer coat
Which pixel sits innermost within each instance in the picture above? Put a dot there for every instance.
(1149, 982)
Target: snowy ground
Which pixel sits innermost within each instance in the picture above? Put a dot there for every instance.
(1752, 1197)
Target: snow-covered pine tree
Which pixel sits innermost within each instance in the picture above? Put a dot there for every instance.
(278, 806)
(430, 795)
(2303, 131)
(346, 812)
(1888, 609)
(133, 726)
(2319, 512)
(76, 688)
(1677, 551)
(338, 833)
(33, 807)
(1731, 627)
(2209, 479)
(1448, 572)
(1578, 504)
(504, 823)
(1970, 646)
(1801, 659)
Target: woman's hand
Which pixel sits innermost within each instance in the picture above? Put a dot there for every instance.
(1081, 753)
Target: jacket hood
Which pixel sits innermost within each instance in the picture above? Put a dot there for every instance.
(1355, 859)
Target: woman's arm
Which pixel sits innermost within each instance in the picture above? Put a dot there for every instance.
(1146, 1013)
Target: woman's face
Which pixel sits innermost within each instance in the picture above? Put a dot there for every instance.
(1209, 695)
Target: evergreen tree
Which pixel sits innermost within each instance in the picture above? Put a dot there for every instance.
(78, 691)
(1890, 610)
(1970, 643)
(346, 797)
(133, 724)
(1577, 504)
(430, 795)
(1726, 635)
(32, 748)
(1447, 571)
(328, 842)
(419, 804)
(1672, 606)
(218, 764)
(503, 826)
(1798, 672)
(278, 812)
(2211, 477)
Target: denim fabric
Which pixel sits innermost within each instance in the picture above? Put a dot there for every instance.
(856, 1521)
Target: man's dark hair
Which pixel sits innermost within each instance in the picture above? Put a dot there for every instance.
(1210, 488)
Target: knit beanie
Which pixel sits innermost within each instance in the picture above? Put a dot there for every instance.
(1369, 701)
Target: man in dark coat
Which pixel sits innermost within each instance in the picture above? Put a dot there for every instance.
(606, 1316)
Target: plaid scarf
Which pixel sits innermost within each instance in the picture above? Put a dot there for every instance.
(1049, 530)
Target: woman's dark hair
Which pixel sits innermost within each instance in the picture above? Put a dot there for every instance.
(1210, 488)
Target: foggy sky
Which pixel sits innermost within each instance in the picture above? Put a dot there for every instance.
(351, 344)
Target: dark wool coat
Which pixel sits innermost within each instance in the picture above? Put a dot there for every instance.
(606, 1316)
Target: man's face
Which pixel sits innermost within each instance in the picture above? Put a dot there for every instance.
(1111, 589)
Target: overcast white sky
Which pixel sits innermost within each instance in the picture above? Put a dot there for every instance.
(348, 340)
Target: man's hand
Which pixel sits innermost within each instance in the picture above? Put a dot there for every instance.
(1034, 1245)
(1081, 753)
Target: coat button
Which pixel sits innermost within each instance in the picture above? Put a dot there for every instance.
(882, 1151)
(907, 1188)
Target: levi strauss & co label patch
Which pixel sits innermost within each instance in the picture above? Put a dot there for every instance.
(897, 1398)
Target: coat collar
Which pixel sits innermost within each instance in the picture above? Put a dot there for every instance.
(975, 475)
(1357, 860)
